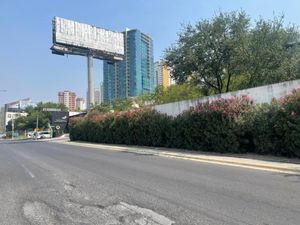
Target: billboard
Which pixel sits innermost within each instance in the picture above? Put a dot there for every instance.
(68, 33)
(59, 120)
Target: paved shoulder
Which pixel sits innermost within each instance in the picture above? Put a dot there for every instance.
(258, 164)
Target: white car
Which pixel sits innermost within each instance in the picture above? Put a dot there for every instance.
(43, 134)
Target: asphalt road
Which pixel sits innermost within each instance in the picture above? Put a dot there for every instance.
(50, 183)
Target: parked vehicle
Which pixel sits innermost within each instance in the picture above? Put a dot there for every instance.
(41, 135)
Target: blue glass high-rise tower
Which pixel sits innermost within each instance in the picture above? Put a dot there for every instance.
(135, 74)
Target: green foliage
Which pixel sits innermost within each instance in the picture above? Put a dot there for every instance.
(138, 127)
(233, 125)
(28, 122)
(269, 129)
(103, 107)
(162, 95)
(42, 105)
(205, 131)
(123, 104)
(191, 130)
(291, 102)
(256, 130)
(231, 107)
(228, 53)
(175, 93)
(268, 58)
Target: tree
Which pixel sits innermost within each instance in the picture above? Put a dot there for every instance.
(33, 112)
(118, 104)
(103, 107)
(41, 105)
(161, 95)
(271, 57)
(226, 53)
(207, 53)
(123, 104)
(175, 93)
(29, 122)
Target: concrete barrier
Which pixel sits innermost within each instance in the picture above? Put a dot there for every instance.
(262, 94)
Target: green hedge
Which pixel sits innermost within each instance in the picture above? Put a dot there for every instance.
(140, 127)
(271, 131)
(233, 125)
(207, 131)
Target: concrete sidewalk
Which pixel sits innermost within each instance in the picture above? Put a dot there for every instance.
(267, 163)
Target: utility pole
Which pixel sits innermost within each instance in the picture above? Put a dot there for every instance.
(36, 128)
(12, 127)
(37, 122)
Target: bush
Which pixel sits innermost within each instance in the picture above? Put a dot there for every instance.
(273, 128)
(290, 123)
(257, 132)
(223, 125)
(205, 131)
(137, 127)
(291, 102)
(231, 107)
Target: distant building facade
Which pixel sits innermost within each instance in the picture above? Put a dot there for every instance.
(97, 96)
(13, 110)
(135, 74)
(162, 74)
(157, 74)
(68, 99)
(101, 93)
(80, 103)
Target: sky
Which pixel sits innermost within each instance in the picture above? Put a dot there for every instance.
(28, 69)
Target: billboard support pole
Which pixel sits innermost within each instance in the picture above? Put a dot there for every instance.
(91, 99)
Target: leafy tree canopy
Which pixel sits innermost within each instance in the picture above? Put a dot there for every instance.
(160, 96)
(228, 52)
(176, 93)
(29, 122)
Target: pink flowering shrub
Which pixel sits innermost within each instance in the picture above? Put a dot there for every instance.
(291, 102)
(222, 125)
(232, 107)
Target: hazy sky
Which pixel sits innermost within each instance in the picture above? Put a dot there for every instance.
(28, 69)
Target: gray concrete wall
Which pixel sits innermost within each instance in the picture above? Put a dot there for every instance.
(262, 94)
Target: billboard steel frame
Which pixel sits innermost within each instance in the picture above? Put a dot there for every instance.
(70, 28)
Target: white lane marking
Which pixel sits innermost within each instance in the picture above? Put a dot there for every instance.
(25, 168)
(28, 171)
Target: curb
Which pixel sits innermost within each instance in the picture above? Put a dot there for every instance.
(285, 167)
(248, 165)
